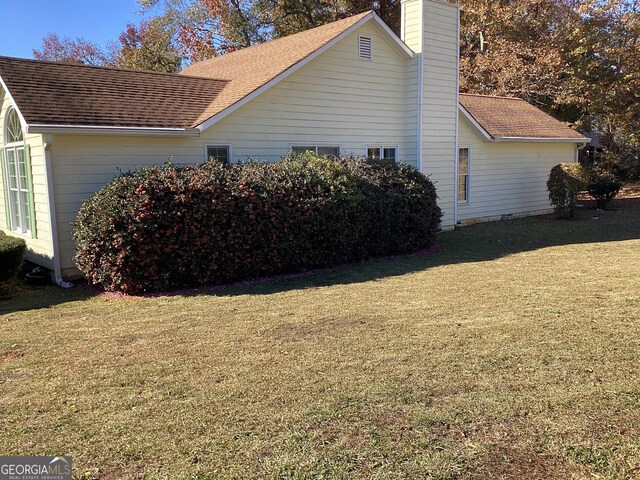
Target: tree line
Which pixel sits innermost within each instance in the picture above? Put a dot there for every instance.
(576, 59)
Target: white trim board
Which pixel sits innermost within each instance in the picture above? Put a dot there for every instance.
(472, 121)
(542, 139)
(93, 129)
(23, 121)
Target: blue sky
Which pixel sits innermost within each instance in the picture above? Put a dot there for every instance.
(27, 22)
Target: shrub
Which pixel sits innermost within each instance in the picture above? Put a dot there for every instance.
(12, 252)
(168, 227)
(566, 180)
(603, 186)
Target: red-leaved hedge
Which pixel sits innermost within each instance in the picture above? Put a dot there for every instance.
(167, 227)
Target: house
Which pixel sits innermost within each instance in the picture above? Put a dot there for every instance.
(349, 87)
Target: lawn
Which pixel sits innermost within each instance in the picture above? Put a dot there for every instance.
(511, 353)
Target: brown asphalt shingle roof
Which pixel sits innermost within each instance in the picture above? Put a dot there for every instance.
(514, 117)
(250, 68)
(63, 94)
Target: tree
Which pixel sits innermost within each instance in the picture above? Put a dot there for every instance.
(291, 16)
(577, 59)
(603, 58)
(207, 28)
(148, 46)
(68, 50)
(514, 48)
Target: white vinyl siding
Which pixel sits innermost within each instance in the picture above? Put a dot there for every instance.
(430, 28)
(509, 178)
(334, 100)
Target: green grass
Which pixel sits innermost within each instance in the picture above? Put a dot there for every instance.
(512, 353)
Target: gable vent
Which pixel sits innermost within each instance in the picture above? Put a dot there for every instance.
(364, 48)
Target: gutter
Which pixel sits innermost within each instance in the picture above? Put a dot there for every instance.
(541, 139)
(95, 129)
(57, 269)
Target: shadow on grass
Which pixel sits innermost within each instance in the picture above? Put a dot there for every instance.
(477, 243)
(24, 297)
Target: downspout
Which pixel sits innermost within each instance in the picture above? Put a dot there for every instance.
(457, 147)
(420, 101)
(579, 146)
(57, 270)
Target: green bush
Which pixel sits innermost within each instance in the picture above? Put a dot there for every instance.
(566, 180)
(168, 227)
(603, 186)
(12, 252)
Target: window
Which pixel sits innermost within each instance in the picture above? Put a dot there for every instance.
(219, 152)
(382, 152)
(364, 48)
(322, 150)
(16, 173)
(463, 174)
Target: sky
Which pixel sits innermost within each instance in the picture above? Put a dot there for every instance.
(26, 22)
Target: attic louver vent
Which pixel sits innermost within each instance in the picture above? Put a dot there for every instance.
(364, 47)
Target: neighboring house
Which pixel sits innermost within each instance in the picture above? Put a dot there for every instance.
(350, 87)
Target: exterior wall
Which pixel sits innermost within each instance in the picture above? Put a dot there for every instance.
(508, 178)
(430, 28)
(411, 28)
(39, 249)
(336, 99)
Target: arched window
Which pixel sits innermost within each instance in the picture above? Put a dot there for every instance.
(13, 127)
(16, 174)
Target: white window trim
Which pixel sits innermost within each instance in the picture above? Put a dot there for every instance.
(17, 147)
(371, 47)
(218, 145)
(316, 145)
(382, 147)
(469, 158)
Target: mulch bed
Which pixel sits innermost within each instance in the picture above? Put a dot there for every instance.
(629, 197)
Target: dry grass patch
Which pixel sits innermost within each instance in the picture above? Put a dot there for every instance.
(512, 353)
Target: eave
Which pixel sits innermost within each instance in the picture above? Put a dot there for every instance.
(542, 139)
(112, 130)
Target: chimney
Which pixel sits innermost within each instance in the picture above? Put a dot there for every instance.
(431, 28)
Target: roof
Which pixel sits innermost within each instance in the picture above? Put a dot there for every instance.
(49, 93)
(250, 68)
(65, 94)
(511, 118)
(54, 95)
